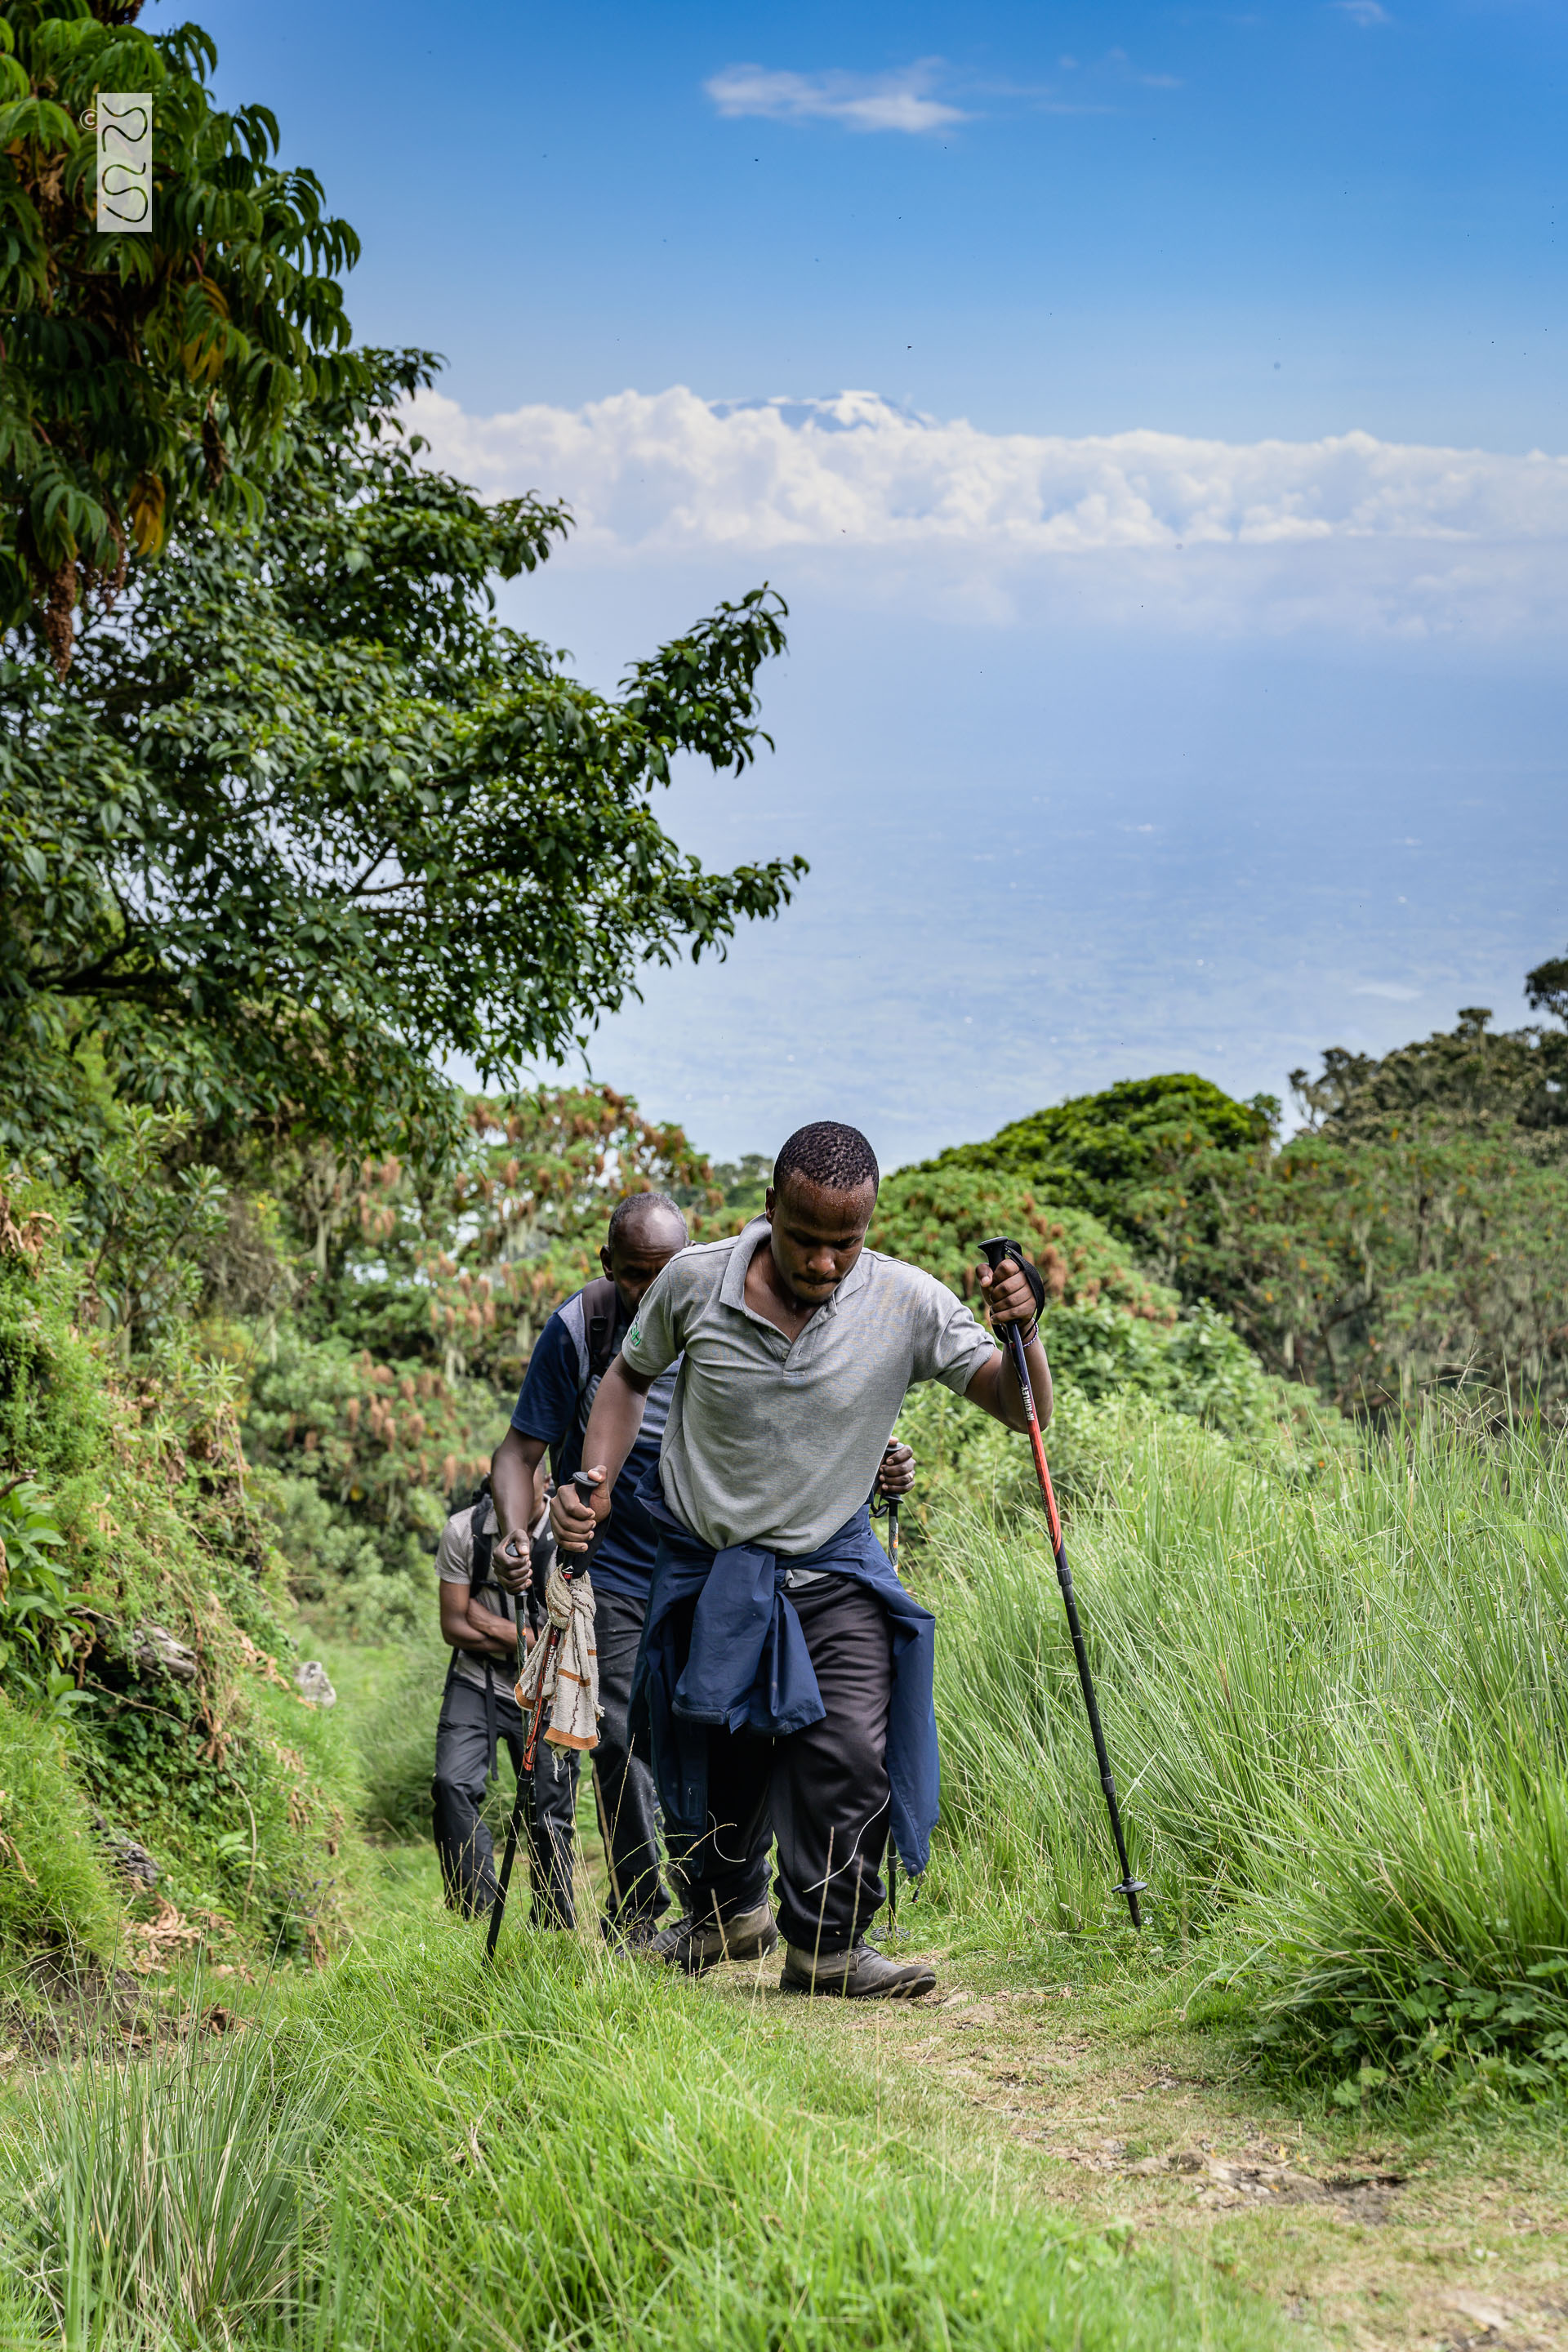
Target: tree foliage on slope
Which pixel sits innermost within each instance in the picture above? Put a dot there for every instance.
(142, 1618)
(1107, 1329)
(1415, 1235)
(306, 818)
(1100, 1151)
(1469, 1081)
(146, 378)
(418, 1293)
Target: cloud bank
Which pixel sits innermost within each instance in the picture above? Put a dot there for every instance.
(1347, 530)
(893, 101)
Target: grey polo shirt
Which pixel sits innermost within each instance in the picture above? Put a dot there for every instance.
(777, 1444)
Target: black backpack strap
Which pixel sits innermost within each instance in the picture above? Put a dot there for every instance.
(601, 1313)
(482, 1542)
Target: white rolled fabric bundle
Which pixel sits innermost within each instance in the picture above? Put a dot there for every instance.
(570, 1682)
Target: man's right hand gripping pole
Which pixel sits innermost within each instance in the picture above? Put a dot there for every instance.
(579, 1508)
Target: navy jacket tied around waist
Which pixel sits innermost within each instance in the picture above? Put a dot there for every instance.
(747, 1668)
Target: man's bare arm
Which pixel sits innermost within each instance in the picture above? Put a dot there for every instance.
(611, 1434)
(994, 1387)
(466, 1626)
(514, 1468)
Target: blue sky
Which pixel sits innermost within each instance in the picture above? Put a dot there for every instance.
(1177, 674)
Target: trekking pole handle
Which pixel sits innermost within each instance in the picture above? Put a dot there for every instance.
(587, 1486)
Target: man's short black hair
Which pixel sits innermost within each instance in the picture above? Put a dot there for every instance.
(837, 1157)
(630, 1212)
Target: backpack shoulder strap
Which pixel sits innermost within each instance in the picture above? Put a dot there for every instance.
(601, 1310)
(483, 1543)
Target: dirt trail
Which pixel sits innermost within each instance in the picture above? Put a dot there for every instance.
(1374, 2244)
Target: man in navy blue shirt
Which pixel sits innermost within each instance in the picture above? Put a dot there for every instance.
(575, 1349)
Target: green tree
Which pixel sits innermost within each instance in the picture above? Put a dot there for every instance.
(306, 818)
(1372, 1270)
(937, 1217)
(147, 379)
(462, 1263)
(1470, 1080)
(1104, 1151)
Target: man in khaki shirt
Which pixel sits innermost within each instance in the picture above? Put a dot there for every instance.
(785, 1672)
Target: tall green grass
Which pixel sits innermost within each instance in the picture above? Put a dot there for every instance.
(166, 2199)
(1339, 1719)
(568, 2151)
(390, 1697)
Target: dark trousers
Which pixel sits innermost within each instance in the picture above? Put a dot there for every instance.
(622, 1785)
(463, 1841)
(821, 1792)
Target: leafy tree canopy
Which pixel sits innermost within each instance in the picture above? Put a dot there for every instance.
(305, 818)
(147, 379)
(1415, 1235)
(938, 1217)
(1095, 1151)
(1470, 1080)
(1372, 1270)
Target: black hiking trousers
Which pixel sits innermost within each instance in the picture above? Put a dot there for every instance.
(462, 1838)
(622, 1785)
(821, 1792)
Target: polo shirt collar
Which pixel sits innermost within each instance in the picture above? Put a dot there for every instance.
(732, 1289)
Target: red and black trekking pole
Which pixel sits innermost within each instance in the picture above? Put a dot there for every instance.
(524, 1797)
(889, 1504)
(996, 1253)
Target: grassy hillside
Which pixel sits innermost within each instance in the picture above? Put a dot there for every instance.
(1339, 1737)
(148, 1650)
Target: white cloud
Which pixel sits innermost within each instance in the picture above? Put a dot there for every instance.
(1346, 530)
(1365, 13)
(892, 102)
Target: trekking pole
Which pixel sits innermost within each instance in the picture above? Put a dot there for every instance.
(996, 1253)
(584, 1485)
(891, 1504)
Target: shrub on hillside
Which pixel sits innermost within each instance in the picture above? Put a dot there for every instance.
(55, 1891)
(1109, 1331)
(183, 1725)
(364, 1456)
(938, 1217)
(1098, 1151)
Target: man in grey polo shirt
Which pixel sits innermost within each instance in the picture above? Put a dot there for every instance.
(785, 1673)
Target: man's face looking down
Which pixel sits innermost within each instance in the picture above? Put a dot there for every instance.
(642, 1248)
(818, 1236)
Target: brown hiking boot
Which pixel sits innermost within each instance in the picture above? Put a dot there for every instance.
(861, 1974)
(697, 1945)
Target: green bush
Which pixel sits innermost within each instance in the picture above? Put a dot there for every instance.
(360, 1459)
(938, 1217)
(1109, 1330)
(55, 1890)
(244, 1794)
(1099, 1151)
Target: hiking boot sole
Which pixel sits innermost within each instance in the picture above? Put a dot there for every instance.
(918, 1983)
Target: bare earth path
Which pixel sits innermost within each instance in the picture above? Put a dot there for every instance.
(1362, 2236)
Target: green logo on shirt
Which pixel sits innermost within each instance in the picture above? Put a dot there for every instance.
(634, 1336)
